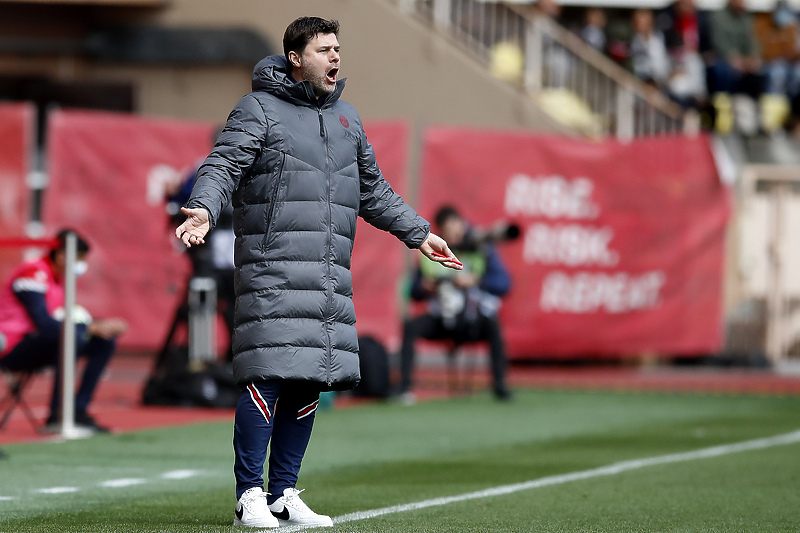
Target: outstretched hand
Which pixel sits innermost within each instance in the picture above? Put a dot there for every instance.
(435, 248)
(194, 228)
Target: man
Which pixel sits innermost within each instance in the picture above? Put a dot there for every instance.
(31, 309)
(687, 37)
(650, 60)
(463, 305)
(734, 76)
(297, 165)
(738, 61)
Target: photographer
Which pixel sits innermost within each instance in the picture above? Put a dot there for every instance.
(462, 305)
(215, 260)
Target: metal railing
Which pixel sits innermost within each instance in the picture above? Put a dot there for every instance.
(543, 59)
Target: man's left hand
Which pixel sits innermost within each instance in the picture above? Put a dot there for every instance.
(435, 248)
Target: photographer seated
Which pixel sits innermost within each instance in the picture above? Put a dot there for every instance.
(462, 305)
(31, 311)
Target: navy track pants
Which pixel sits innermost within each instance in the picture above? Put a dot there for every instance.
(279, 414)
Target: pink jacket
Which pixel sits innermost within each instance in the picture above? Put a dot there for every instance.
(38, 276)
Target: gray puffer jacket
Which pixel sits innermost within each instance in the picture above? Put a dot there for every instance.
(298, 174)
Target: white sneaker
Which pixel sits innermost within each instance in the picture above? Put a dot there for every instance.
(252, 510)
(291, 510)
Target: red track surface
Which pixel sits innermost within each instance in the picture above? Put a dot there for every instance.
(117, 403)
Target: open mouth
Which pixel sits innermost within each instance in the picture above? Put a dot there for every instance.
(332, 74)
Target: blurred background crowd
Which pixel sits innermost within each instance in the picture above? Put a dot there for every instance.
(738, 68)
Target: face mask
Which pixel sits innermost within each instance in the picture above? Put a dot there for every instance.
(81, 267)
(783, 18)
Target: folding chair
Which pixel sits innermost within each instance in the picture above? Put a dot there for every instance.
(16, 383)
(460, 381)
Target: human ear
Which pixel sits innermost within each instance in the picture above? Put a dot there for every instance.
(294, 59)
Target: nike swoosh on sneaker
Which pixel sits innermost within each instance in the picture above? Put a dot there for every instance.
(283, 515)
(239, 512)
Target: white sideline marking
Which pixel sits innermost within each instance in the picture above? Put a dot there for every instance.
(124, 482)
(57, 490)
(7, 498)
(180, 474)
(610, 470)
(116, 483)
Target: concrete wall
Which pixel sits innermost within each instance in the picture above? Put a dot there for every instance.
(395, 66)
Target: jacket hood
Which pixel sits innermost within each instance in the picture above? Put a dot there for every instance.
(271, 75)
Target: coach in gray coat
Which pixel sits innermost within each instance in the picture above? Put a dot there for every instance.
(295, 161)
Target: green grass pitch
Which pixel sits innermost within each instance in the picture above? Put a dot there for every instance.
(381, 455)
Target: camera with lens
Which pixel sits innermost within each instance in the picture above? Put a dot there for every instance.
(499, 232)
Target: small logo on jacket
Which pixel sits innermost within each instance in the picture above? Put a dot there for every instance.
(344, 122)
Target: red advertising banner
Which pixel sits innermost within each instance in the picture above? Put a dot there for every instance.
(107, 178)
(622, 245)
(378, 257)
(16, 145)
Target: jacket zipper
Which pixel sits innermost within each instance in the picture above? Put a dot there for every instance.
(322, 130)
(274, 200)
(329, 291)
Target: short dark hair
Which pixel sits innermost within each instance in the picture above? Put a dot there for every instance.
(61, 242)
(444, 214)
(300, 32)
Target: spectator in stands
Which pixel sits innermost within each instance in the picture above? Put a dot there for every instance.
(685, 28)
(737, 59)
(31, 310)
(550, 9)
(735, 69)
(594, 29)
(558, 62)
(686, 35)
(649, 56)
(617, 32)
(777, 37)
(463, 305)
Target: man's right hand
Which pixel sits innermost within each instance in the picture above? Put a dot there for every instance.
(194, 228)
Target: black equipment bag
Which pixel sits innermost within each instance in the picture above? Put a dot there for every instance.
(374, 367)
(174, 384)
